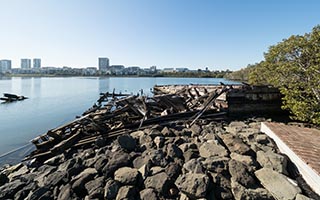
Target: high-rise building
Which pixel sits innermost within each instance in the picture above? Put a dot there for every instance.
(25, 63)
(36, 63)
(103, 64)
(5, 65)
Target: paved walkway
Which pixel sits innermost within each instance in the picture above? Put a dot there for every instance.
(302, 145)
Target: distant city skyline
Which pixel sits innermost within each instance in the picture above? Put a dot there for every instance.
(181, 33)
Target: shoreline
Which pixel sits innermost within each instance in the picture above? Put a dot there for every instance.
(101, 155)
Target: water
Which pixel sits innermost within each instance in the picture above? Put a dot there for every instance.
(55, 101)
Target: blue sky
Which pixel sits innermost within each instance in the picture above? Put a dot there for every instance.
(221, 34)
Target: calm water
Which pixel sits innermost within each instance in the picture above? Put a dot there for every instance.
(55, 101)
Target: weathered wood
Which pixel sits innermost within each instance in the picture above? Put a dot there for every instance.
(65, 144)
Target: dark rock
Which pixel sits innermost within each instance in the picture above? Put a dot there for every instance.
(111, 189)
(173, 171)
(193, 166)
(247, 160)
(56, 160)
(154, 133)
(101, 161)
(75, 169)
(3, 179)
(56, 178)
(195, 129)
(262, 139)
(190, 154)
(65, 192)
(118, 159)
(193, 185)
(216, 164)
(138, 162)
(127, 176)
(128, 193)
(235, 144)
(212, 148)
(166, 132)
(222, 186)
(38, 193)
(239, 173)
(80, 180)
(126, 142)
(8, 190)
(157, 158)
(174, 151)
(160, 182)
(95, 188)
(148, 194)
(273, 161)
(100, 142)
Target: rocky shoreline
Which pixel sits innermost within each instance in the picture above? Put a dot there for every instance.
(209, 160)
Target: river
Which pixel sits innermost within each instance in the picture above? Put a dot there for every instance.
(55, 101)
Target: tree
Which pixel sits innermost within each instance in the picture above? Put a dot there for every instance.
(293, 66)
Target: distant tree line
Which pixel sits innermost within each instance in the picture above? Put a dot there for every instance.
(293, 66)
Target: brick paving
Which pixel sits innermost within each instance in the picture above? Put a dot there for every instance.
(304, 142)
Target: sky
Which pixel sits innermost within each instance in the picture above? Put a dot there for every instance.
(218, 34)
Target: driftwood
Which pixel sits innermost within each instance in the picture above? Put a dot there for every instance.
(117, 114)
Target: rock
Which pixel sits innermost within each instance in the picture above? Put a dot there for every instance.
(302, 197)
(38, 193)
(154, 133)
(65, 192)
(95, 188)
(8, 190)
(127, 176)
(166, 132)
(100, 142)
(173, 170)
(118, 159)
(56, 160)
(236, 145)
(111, 189)
(100, 162)
(277, 184)
(222, 186)
(247, 160)
(190, 154)
(126, 142)
(216, 164)
(186, 146)
(212, 148)
(80, 180)
(193, 185)
(241, 193)
(127, 193)
(55, 178)
(160, 182)
(195, 129)
(174, 151)
(262, 139)
(156, 170)
(159, 141)
(193, 166)
(239, 173)
(148, 194)
(3, 179)
(137, 134)
(144, 171)
(139, 161)
(273, 161)
(235, 127)
(157, 158)
(22, 170)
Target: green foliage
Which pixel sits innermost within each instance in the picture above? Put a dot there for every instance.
(293, 66)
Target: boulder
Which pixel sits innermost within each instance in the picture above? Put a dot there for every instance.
(126, 142)
(137, 134)
(111, 189)
(193, 166)
(21, 171)
(235, 127)
(174, 151)
(244, 159)
(56, 160)
(157, 158)
(139, 161)
(3, 179)
(159, 141)
(148, 194)
(173, 171)
(216, 164)
(118, 159)
(262, 139)
(166, 132)
(195, 129)
(190, 154)
(159, 182)
(194, 186)
(273, 161)
(236, 145)
(127, 176)
(95, 188)
(8, 190)
(277, 184)
(239, 173)
(302, 197)
(65, 192)
(127, 193)
(222, 186)
(78, 182)
(212, 148)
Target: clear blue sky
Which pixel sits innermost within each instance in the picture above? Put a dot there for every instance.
(166, 33)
